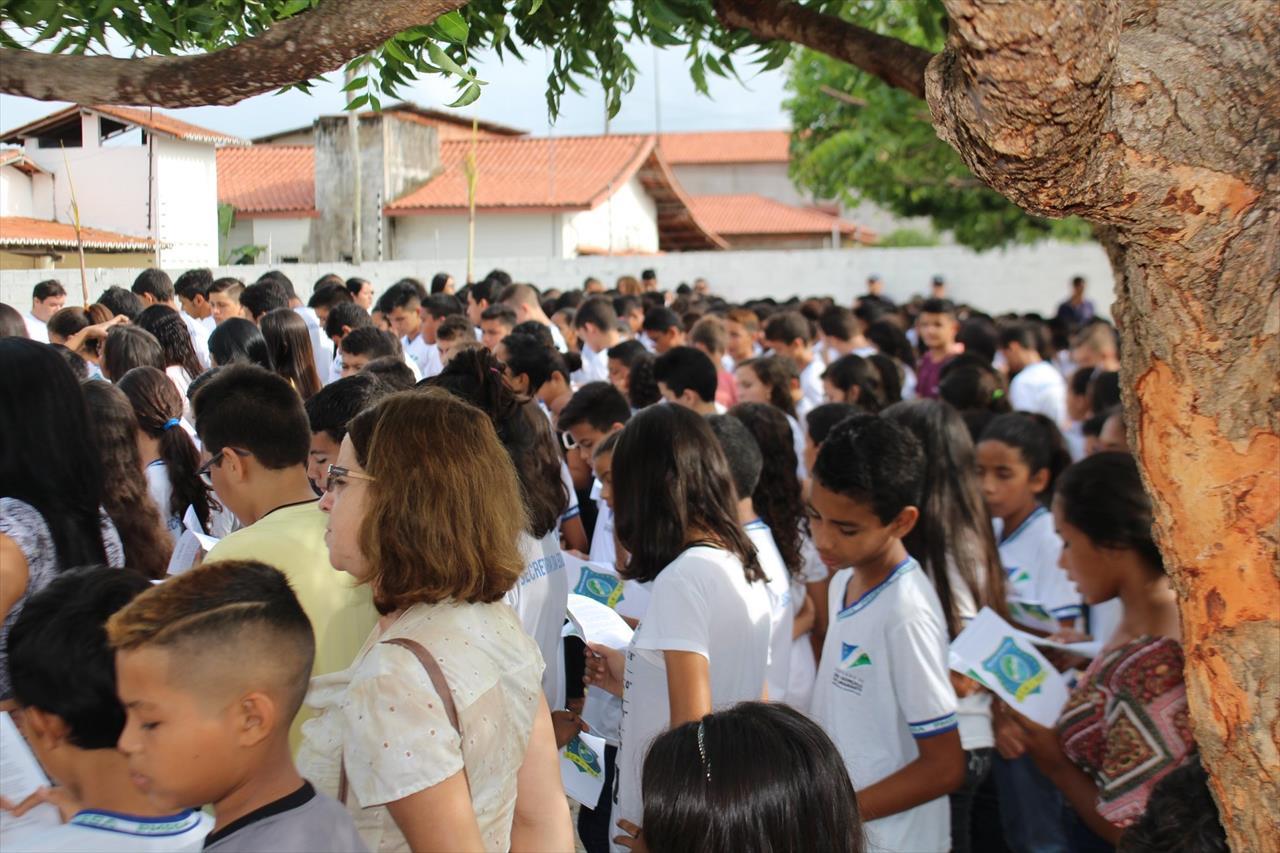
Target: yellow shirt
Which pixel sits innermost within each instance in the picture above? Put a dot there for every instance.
(291, 539)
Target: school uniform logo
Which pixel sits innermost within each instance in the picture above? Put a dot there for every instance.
(604, 588)
(1018, 672)
(583, 757)
(852, 656)
(1016, 575)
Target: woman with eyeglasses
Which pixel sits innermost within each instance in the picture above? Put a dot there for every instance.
(51, 515)
(438, 737)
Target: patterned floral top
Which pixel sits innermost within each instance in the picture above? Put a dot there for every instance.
(1126, 724)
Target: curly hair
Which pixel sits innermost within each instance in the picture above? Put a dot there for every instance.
(146, 540)
(778, 496)
(775, 373)
(175, 340)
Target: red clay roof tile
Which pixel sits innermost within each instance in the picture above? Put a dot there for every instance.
(25, 231)
(732, 215)
(727, 146)
(268, 179)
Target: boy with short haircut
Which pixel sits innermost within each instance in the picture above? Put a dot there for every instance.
(361, 346)
(597, 325)
(325, 297)
(453, 330)
(154, 287)
(937, 327)
(743, 327)
(212, 667)
(193, 292)
(790, 334)
(329, 411)
(406, 314)
(663, 328)
(711, 336)
(263, 296)
(496, 322)
(841, 334)
(883, 690)
(256, 438)
(1036, 385)
(64, 682)
(687, 377)
(224, 299)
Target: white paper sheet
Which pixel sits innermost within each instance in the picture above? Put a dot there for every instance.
(1033, 614)
(192, 545)
(597, 623)
(1002, 658)
(582, 768)
(20, 776)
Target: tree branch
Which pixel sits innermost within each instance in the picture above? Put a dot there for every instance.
(295, 49)
(892, 60)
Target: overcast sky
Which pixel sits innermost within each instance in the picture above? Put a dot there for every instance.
(515, 96)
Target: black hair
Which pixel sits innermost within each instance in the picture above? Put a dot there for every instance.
(281, 280)
(888, 337)
(661, 319)
(938, 306)
(1181, 816)
(42, 405)
(821, 419)
(402, 294)
(1104, 391)
(598, 311)
(67, 321)
(979, 336)
(775, 373)
(333, 407)
(779, 496)
(741, 452)
(393, 371)
(371, 341)
(237, 340)
(971, 384)
(47, 288)
(58, 656)
(503, 313)
(289, 343)
(837, 322)
(873, 461)
(327, 280)
(126, 496)
(597, 404)
(626, 351)
(787, 327)
(642, 388)
(473, 375)
(853, 371)
(346, 314)
(439, 282)
(174, 337)
(529, 357)
(455, 326)
(1102, 497)
(671, 478)
(227, 284)
(682, 368)
(623, 305)
(262, 296)
(78, 365)
(156, 283)
(127, 347)
(535, 330)
(440, 305)
(954, 530)
(158, 406)
(328, 295)
(253, 409)
(891, 374)
(1038, 441)
(757, 776)
(11, 323)
(354, 285)
(193, 283)
(486, 290)
(121, 302)
(648, 275)
(1025, 333)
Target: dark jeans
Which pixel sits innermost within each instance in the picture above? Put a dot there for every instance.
(1031, 808)
(966, 801)
(594, 825)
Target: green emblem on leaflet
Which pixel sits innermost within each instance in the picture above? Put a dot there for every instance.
(1017, 671)
(583, 756)
(604, 588)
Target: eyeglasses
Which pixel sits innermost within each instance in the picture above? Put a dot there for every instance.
(204, 472)
(335, 474)
(568, 440)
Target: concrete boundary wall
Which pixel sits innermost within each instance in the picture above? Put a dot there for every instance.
(1022, 278)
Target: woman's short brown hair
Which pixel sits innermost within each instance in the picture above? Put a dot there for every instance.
(444, 512)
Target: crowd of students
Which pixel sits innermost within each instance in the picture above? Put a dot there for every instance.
(800, 506)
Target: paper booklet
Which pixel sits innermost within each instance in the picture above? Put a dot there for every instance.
(597, 623)
(582, 768)
(20, 776)
(191, 546)
(1006, 661)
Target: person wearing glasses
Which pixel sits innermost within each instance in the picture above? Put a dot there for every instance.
(256, 437)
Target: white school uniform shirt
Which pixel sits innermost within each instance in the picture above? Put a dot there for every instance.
(321, 345)
(595, 367)
(1030, 558)
(815, 394)
(701, 603)
(804, 667)
(199, 334)
(883, 683)
(781, 615)
(540, 599)
(102, 831)
(426, 356)
(37, 329)
(797, 442)
(1040, 388)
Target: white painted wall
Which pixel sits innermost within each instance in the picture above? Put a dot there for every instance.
(111, 186)
(498, 235)
(286, 238)
(186, 189)
(626, 222)
(42, 196)
(1023, 278)
(15, 192)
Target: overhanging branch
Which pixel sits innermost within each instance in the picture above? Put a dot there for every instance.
(295, 49)
(894, 61)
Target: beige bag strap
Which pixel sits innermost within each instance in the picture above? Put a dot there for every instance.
(441, 685)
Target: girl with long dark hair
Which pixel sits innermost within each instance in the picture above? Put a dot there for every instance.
(180, 360)
(289, 346)
(704, 640)
(51, 516)
(127, 347)
(237, 340)
(853, 379)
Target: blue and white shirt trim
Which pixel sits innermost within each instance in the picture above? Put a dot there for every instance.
(936, 726)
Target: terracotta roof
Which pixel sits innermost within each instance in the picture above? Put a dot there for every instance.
(268, 179)
(449, 125)
(156, 122)
(18, 231)
(740, 215)
(727, 146)
(18, 159)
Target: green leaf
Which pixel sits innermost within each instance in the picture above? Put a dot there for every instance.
(469, 95)
(357, 102)
(443, 60)
(397, 52)
(356, 83)
(454, 27)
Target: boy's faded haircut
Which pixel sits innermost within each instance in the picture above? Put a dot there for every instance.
(240, 610)
(874, 461)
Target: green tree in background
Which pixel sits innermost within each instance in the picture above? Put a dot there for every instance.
(859, 139)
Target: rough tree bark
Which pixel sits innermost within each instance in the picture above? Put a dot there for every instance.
(1160, 121)
(299, 48)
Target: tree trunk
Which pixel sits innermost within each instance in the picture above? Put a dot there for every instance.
(1161, 122)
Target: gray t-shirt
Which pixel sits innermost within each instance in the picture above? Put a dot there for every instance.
(305, 821)
(24, 524)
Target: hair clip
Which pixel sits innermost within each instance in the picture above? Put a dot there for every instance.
(997, 394)
(170, 424)
(702, 751)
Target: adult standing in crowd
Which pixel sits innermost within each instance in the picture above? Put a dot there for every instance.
(47, 299)
(1076, 310)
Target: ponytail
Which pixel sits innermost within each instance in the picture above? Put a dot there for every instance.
(1037, 439)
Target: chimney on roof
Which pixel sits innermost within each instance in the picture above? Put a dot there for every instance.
(396, 157)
